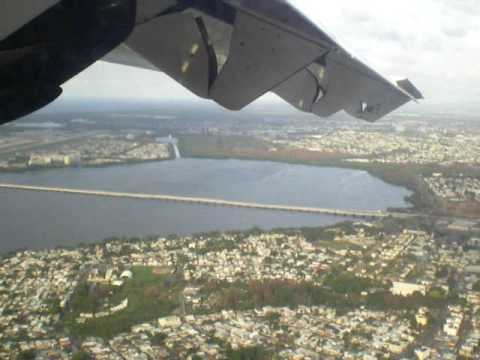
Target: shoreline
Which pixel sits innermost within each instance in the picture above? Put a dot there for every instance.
(254, 229)
(67, 239)
(404, 176)
(407, 176)
(83, 166)
(384, 173)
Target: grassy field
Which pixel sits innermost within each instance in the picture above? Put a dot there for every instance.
(220, 147)
(150, 296)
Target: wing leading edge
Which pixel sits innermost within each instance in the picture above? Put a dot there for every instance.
(234, 51)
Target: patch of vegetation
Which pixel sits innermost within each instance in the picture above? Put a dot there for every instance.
(53, 305)
(343, 292)
(278, 293)
(251, 353)
(385, 301)
(158, 339)
(416, 273)
(318, 234)
(149, 295)
(217, 244)
(348, 283)
(243, 296)
(442, 272)
(81, 355)
(27, 355)
(338, 245)
(325, 236)
(219, 147)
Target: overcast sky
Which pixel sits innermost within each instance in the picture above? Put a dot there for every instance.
(435, 43)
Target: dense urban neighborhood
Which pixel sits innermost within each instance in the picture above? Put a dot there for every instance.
(439, 165)
(397, 288)
(395, 148)
(457, 189)
(382, 290)
(405, 151)
(91, 149)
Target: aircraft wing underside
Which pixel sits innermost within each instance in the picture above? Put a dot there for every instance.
(230, 51)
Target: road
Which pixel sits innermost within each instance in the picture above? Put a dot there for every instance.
(212, 202)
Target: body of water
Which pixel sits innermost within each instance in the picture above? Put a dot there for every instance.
(45, 220)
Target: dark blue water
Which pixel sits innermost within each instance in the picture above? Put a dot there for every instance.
(44, 220)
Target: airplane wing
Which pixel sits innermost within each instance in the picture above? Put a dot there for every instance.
(230, 51)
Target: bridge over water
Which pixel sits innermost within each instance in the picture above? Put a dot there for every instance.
(211, 202)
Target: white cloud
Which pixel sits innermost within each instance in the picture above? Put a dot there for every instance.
(103, 80)
(433, 42)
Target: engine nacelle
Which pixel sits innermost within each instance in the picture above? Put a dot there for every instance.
(54, 47)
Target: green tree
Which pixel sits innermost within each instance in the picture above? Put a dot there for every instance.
(346, 283)
(81, 355)
(442, 272)
(252, 353)
(436, 294)
(158, 339)
(54, 305)
(27, 355)
(452, 281)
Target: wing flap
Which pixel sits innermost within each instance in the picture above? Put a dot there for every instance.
(358, 90)
(186, 57)
(123, 55)
(259, 60)
(300, 91)
(258, 46)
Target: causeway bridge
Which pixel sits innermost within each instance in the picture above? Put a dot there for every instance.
(211, 202)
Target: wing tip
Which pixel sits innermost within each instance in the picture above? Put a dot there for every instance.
(407, 86)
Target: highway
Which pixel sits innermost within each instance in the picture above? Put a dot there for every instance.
(210, 202)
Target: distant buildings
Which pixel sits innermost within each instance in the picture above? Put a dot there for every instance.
(72, 160)
(454, 322)
(97, 150)
(407, 289)
(211, 263)
(454, 189)
(392, 148)
(422, 317)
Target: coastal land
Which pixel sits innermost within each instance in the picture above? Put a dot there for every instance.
(388, 289)
(408, 175)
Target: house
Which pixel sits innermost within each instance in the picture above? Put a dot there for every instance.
(407, 289)
(170, 321)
